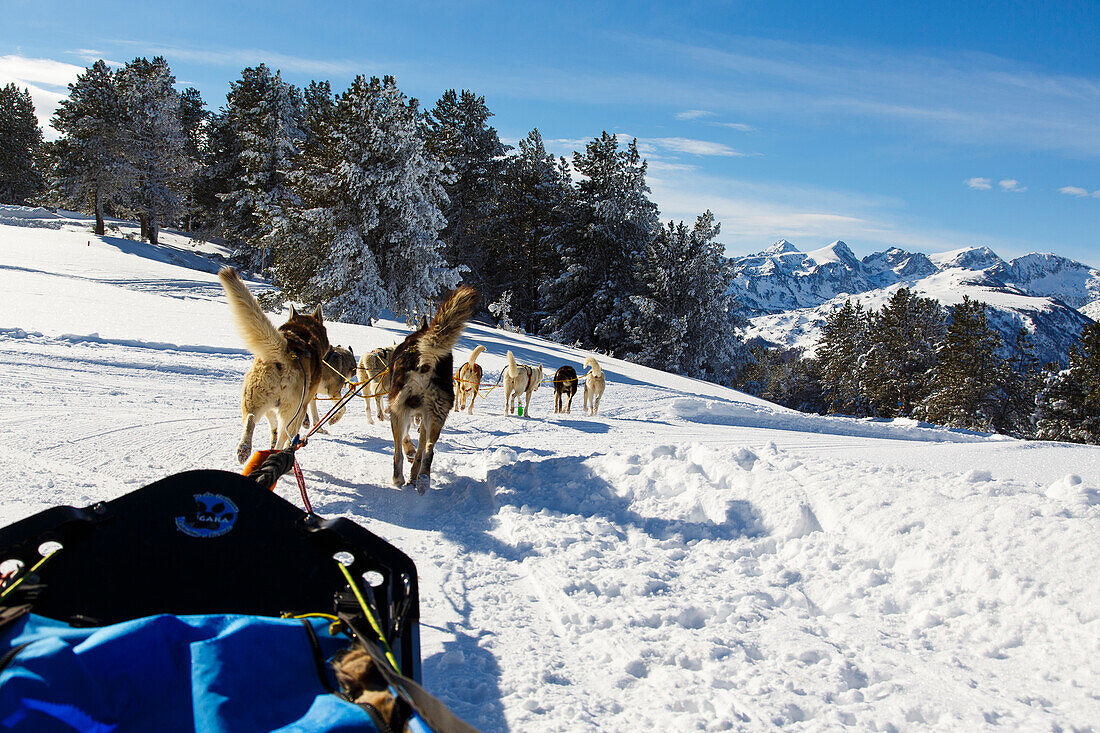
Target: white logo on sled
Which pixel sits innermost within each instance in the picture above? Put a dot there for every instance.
(214, 515)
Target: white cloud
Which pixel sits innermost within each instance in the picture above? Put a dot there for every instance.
(1011, 184)
(963, 97)
(1079, 192)
(692, 147)
(46, 80)
(981, 184)
(693, 114)
(739, 126)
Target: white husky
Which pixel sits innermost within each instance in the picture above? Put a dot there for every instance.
(520, 379)
(594, 382)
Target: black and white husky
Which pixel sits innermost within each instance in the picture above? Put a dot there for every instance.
(422, 385)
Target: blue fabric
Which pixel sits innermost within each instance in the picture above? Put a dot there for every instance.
(171, 673)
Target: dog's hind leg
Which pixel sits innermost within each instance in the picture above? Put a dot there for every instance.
(399, 425)
(311, 417)
(244, 448)
(273, 427)
(378, 399)
(420, 475)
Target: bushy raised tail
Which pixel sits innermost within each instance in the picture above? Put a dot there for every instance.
(592, 364)
(476, 353)
(513, 369)
(259, 334)
(446, 327)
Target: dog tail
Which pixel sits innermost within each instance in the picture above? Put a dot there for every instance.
(513, 369)
(446, 327)
(260, 336)
(592, 364)
(477, 352)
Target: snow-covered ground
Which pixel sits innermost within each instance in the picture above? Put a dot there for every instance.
(689, 559)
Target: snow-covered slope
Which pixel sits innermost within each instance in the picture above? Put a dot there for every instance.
(689, 559)
(788, 294)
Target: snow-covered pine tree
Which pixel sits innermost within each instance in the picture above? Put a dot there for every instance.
(154, 143)
(532, 205)
(841, 350)
(1068, 407)
(20, 140)
(256, 141)
(964, 382)
(88, 168)
(194, 120)
(902, 338)
(457, 133)
(317, 108)
(367, 225)
(1060, 409)
(1018, 383)
(688, 320)
(592, 300)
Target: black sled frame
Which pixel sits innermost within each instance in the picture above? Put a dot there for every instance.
(211, 542)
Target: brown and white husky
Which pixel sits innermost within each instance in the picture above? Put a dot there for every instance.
(337, 371)
(287, 370)
(372, 372)
(468, 381)
(422, 385)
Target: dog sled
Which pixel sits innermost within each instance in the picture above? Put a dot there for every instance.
(204, 602)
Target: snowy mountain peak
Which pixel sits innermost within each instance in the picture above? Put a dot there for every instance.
(1051, 275)
(838, 251)
(968, 258)
(782, 247)
(897, 265)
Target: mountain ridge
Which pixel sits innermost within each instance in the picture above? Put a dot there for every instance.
(786, 293)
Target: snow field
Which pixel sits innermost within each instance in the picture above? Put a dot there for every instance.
(689, 559)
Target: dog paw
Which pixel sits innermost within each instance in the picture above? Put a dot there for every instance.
(399, 480)
(322, 430)
(243, 452)
(422, 483)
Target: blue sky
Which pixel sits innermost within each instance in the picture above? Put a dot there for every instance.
(929, 126)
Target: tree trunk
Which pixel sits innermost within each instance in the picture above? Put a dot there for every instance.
(154, 231)
(143, 220)
(100, 227)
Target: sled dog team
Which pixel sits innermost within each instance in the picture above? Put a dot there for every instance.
(294, 365)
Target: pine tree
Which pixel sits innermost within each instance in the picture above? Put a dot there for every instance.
(688, 320)
(1068, 407)
(965, 379)
(194, 121)
(840, 351)
(532, 205)
(903, 337)
(89, 170)
(591, 301)
(256, 142)
(457, 133)
(365, 234)
(1060, 409)
(1018, 382)
(20, 140)
(154, 143)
